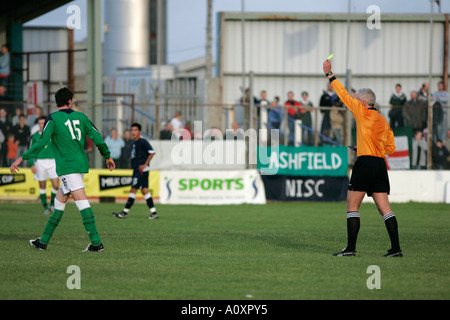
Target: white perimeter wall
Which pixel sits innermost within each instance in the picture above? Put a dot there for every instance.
(418, 186)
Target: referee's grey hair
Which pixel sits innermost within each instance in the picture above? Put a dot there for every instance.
(367, 94)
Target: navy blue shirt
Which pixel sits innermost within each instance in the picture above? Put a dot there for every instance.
(140, 151)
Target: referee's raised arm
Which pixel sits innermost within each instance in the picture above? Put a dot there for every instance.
(349, 102)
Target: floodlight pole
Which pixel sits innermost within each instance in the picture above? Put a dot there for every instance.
(348, 136)
(95, 68)
(430, 98)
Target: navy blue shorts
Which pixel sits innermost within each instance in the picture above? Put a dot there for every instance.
(140, 180)
(369, 174)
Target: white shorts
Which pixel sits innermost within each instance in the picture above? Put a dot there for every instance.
(71, 182)
(45, 168)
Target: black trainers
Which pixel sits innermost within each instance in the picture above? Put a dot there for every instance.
(120, 214)
(38, 244)
(97, 248)
(153, 216)
(345, 253)
(393, 254)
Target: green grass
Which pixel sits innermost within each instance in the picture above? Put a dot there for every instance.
(278, 251)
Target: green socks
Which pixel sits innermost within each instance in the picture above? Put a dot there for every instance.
(52, 223)
(52, 199)
(43, 197)
(86, 214)
(89, 224)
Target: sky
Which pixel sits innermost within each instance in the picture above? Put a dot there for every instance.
(186, 19)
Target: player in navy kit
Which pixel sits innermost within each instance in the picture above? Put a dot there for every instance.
(141, 155)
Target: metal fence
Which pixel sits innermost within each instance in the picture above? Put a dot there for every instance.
(120, 110)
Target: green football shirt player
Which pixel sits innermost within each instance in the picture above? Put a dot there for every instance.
(44, 167)
(67, 129)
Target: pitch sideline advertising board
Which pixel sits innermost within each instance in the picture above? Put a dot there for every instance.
(303, 161)
(21, 184)
(117, 183)
(301, 188)
(211, 187)
(98, 183)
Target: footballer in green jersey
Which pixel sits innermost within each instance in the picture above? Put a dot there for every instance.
(43, 167)
(67, 129)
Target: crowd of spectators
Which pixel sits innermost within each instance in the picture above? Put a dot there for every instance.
(16, 131)
(404, 112)
(16, 127)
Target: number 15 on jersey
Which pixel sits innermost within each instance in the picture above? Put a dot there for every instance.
(75, 132)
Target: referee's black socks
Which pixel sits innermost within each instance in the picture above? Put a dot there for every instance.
(392, 229)
(352, 230)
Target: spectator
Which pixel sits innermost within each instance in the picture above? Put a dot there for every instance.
(126, 150)
(439, 155)
(398, 100)
(115, 145)
(22, 134)
(275, 114)
(15, 119)
(337, 123)
(419, 152)
(166, 133)
(423, 97)
(12, 147)
(213, 134)
(440, 98)
(293, 114)
(326, 100)
(422, 94)
(2, 139)
(239, 111)
(262, 103)
(33, 120)
(305, 116)
(5, 68)
(446, 143)
(3, 95)
(6, 128)
(177, 123)
(414, 114)
(235, 133)
(4, 98)
(188, 128)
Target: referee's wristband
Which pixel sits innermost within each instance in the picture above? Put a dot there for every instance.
(332, 79)
(328, 73)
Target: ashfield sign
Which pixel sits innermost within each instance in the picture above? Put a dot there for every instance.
(303, 161)
(211, 187)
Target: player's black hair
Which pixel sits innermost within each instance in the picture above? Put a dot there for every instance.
(137, 125)
(42, 118)
(62, 97)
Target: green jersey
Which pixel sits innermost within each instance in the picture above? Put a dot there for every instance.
(47, 153)
(68, 129)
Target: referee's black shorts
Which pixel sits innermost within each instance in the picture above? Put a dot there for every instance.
(369, 174)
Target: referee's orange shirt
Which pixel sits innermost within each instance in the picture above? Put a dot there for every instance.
(374, 136)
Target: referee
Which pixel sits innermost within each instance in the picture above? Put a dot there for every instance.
(374, 139)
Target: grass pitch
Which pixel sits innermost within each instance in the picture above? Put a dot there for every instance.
(278, 251)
